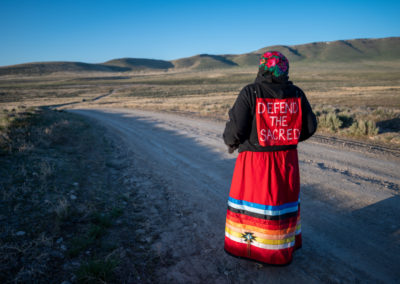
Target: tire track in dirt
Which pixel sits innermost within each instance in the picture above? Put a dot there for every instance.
(379, 181)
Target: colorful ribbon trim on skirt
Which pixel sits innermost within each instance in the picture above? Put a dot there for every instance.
(263, 226)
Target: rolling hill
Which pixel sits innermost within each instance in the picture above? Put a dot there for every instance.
(139, 64)
(204, 61)
(351, 51)
(51, 67)
(342, 50)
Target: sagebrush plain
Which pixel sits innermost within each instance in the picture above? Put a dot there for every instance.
(358, 101)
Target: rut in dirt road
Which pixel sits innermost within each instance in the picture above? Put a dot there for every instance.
(350, 204)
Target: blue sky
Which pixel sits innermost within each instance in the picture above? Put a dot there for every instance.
(97, 31)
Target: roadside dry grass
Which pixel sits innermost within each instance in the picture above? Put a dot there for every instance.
(66, 211)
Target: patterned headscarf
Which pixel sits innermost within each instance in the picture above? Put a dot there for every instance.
(275, 63)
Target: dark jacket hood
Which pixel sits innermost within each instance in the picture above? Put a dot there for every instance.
(267, 77)
(277, 87)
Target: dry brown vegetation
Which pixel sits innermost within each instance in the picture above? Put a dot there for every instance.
(360, 100)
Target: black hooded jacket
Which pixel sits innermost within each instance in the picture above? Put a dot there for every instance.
(241, 129)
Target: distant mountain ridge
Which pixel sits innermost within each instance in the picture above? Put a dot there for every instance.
(343, 50)
(339, 51)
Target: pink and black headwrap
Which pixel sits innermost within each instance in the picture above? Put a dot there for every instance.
(275, 63)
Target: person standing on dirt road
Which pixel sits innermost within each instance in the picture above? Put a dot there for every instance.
(268, 119)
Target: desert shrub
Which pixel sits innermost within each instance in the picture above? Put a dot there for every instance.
(360, 122)
(330, 121)
(364, 128)
(384, 113)
(4, 121)
(372, 129)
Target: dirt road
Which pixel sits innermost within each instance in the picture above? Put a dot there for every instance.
(350, 205)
